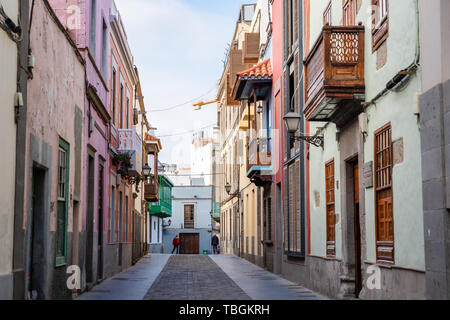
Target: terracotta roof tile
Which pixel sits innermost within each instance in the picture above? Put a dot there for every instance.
(261, 70)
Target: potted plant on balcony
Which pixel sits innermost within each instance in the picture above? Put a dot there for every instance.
(123, 163)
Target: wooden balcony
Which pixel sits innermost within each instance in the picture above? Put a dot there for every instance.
(151, 189)
(334, 75)
(259, 161)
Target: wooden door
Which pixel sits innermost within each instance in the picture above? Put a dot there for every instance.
(330, 210)
(357, 231)
(189, 243)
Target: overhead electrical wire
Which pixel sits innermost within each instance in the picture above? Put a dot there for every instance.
(186, 132)
(182, 104)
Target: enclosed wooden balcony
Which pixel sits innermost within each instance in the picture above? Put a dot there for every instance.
(334, 75)
(259, 164)
(151, 189)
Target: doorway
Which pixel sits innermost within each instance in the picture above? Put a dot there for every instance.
(357, 229)
(90, 222)
(189, 243)
(278, 231)
(120, 227)
(37, 221)
(101, 172)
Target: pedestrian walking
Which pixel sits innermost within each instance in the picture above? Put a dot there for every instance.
(215, 243)
(176, 244)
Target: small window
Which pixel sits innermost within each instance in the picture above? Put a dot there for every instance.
(114, 85)
(189, 216)
(121, 107)
(327, 15)
(93, 34)
(104, 50)
(62, 209)
(349, 12)
(380, 23)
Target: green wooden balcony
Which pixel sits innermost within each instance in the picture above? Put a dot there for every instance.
(163, 207)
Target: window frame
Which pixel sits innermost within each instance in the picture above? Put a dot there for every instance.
(331, 253)
(380, 29)
(61, 260)
(348, 12)
(327, 14)
(383, 243)
(192, 213)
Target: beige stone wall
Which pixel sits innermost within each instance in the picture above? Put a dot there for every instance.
(8, 80)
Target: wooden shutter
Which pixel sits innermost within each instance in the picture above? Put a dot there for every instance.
(286, 210)
(298, 238)
(295, 11)
(380, 23)
(269, 218)
(349, 12)
(291, 209)
(330, 208)
(235, 66)
(250, 48)
(383, 195)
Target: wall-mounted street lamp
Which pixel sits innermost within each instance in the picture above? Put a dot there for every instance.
(228, 190)
(146, 171)
(292, 123)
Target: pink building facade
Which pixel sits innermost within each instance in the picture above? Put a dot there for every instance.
(54, 149)
(88, 22)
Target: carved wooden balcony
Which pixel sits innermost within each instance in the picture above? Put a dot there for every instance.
(151, 189)
(334, 75)
(259, 161)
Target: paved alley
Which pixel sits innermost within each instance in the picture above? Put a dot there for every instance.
(197, 277)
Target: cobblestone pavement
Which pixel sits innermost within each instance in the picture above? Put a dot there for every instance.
(194, 277)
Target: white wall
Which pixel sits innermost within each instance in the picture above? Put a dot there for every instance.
(202, 206)
(395, 107)
(8, 80)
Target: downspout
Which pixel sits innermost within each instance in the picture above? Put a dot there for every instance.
(19, 257)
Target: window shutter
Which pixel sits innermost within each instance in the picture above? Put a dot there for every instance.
(292, 220)
(235, 66)
(297, 207)
(251, 48)
(295, 9)
(296, 94)
(286, 211)
(383, 195)
(330, 209)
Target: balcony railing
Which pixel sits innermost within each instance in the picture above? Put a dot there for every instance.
(189, 224)
(259, 154)
(131, 142)
(334, 73)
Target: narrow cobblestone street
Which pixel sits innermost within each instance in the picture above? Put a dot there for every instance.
(197, 277)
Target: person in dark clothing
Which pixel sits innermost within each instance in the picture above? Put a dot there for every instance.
(176, 244)
(215, 243)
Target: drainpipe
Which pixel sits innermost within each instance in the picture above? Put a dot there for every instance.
(20, 235)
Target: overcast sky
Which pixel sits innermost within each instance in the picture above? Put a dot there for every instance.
(178, 47)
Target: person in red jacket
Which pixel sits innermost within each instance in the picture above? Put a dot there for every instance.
(176, 244)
